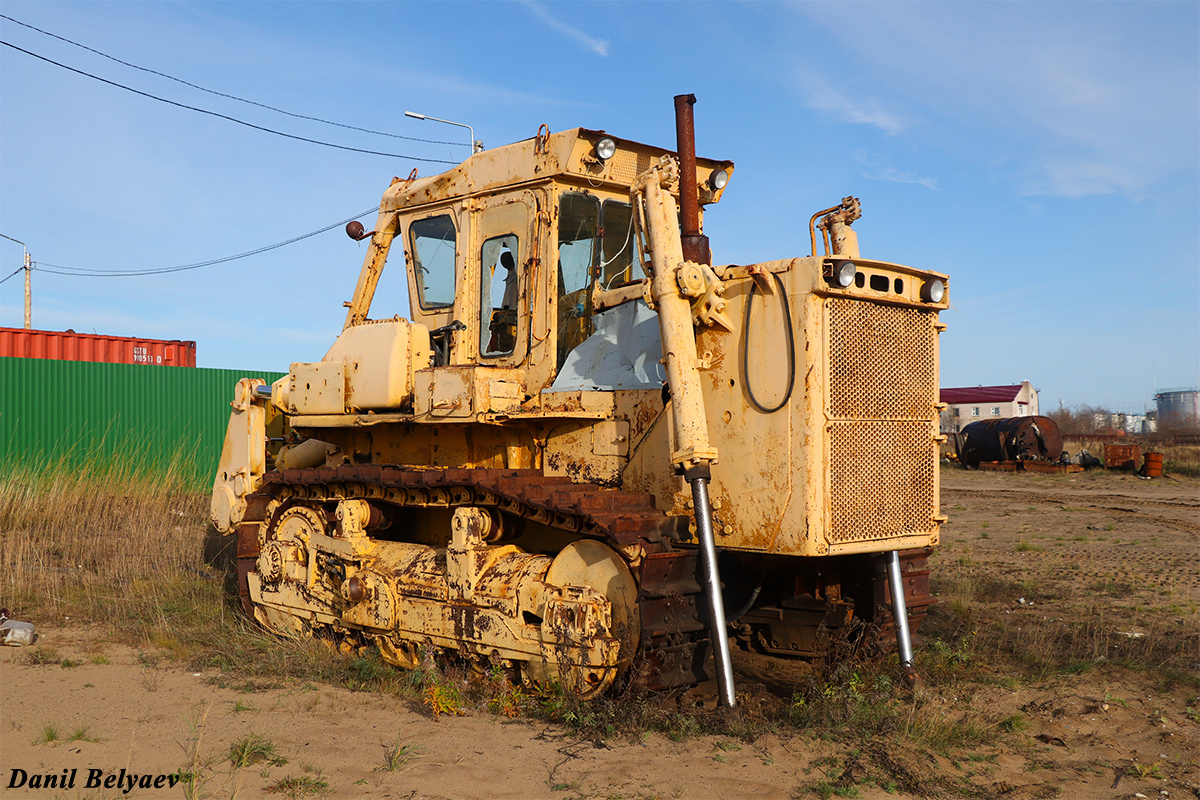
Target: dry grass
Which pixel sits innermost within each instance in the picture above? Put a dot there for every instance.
(1036, 645)
(135, 554)
(1183, 459)
(105, 544)
(1180, 459)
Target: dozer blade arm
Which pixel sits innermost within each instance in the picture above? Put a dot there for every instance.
(666, 265)
(669, 287)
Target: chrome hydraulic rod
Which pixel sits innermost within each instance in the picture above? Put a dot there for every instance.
(712, 588)
(899, 610)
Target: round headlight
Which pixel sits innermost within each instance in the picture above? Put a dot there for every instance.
(843, 273)
(933, 291)
(605, 148)
(718, 179)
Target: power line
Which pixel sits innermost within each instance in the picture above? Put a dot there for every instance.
(84, 272)
(222, 94)
(223, 116)
(18, 269)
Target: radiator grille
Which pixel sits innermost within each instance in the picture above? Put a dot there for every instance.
(880, 480)
(881, 403)
(881, 361)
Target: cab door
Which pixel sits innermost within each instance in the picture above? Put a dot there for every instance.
(436, 261)
(503, 255)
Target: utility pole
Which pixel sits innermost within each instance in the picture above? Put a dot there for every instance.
(28, 294)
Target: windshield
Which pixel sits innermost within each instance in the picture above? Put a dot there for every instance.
(434, 260)
(594, 240)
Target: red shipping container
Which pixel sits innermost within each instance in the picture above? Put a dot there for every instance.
(71, 346)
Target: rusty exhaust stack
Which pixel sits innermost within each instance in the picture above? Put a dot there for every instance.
(695, 244)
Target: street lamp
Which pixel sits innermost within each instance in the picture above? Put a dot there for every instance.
(28, 296)
(476, 145)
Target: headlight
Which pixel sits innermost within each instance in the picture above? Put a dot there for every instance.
(605, 148)
(843, 274)
(718, 179)
(933, 291)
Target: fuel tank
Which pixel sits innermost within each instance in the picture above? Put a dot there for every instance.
(1010, 439)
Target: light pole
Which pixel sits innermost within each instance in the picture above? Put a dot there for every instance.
(476, 146)
(28, 295)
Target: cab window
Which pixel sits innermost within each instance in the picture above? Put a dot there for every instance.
(616, 233)
(578, 226)
(595, 241)
(500, 292)
(433, 256)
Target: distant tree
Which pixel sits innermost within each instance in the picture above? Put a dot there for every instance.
(1081, 420)
(1173, 427)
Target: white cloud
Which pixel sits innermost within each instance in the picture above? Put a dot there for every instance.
(1071, 102)
(893, 175)
(873, 172)
(597, 46)
(1075, 177)
(819, 94)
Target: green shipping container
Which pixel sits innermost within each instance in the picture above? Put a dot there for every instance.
(84, 415)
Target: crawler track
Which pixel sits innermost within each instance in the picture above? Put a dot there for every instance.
(674, 644)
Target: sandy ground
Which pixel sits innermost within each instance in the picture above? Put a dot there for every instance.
(1110, 540)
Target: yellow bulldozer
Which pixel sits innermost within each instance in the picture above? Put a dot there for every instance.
(585, 452)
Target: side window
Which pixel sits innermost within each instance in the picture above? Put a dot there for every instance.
(617, 247)
(500, 292)
(578, 221)
(433, 260)
(578, 224)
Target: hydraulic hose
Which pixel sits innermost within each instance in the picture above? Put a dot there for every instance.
(791, 345)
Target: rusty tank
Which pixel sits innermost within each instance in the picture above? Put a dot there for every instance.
(587, 451)
(1010, 439)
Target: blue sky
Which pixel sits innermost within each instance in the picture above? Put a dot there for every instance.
(1045, 155)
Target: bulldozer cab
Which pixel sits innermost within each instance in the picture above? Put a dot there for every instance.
(505, 254)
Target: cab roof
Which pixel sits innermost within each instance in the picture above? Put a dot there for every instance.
(568, 157)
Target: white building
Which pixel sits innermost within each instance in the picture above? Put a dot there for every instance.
(971, 404)
(1125, 423)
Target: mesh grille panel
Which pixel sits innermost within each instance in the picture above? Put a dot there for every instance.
(627, 165)
(880, 480)
(881, 361)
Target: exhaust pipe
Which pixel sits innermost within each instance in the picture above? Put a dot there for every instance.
(695, 244)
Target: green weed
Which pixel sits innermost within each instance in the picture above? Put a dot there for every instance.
(1136, 770)
(254, 749)
(298, 787)
(81, 734)
(1014, 723)
(396, 756)
(49, 735)
(42, 656)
